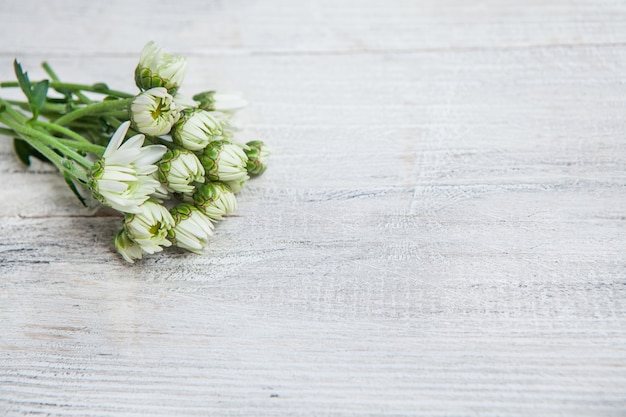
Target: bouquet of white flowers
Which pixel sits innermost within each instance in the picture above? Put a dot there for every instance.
(168, 163)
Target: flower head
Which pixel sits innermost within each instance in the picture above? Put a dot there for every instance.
(192, 228)
(154, 112)
(226, 161)
(158, 69)
(223, 102)
(127, 247)
(215, 199)
(149, 227)
(196, 128)
(258, 156)
(122, 178)
(179, 169)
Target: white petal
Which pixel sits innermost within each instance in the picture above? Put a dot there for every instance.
(117, 138)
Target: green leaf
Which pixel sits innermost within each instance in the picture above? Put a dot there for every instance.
(24, 151)
(36, 94)
(22, 79)
(40, 91)
(70, 183)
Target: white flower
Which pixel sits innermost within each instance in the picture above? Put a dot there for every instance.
(196, 128)
(158, 69)
(149, 227)
(154, 112)
(226, 161)
(179, 169)
(126, 247)
(215, 199)
(223, 102)
(123, 178)
(193, 228)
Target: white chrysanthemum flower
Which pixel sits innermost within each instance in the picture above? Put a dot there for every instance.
(215, 199)
(158, 69)
(196, 128)
(130, 250)
(149, 228)
(122, 178)
(154, 112)
(223, 102)
(193, 228)
(184, 102)
(179, 169)
(226, 161)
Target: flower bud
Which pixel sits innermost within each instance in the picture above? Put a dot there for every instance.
(258, 156)
(149, 228)
(192, 228)
(215, 199)
(127, 247)
(225, 161)
(223, 102)
(196, 128)
(179, 169)
(154, 112)
(158, 69)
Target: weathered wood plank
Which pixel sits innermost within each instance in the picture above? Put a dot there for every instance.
(281, 26)
(441, 231)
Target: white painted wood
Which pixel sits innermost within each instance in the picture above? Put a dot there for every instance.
(441, 230)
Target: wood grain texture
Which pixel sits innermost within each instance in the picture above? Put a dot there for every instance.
(441, 231)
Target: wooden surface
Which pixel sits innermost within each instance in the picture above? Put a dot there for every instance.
(441, 231)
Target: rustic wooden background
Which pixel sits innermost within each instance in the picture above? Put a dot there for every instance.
(441, 231)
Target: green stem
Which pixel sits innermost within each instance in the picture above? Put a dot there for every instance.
(50, 107)
(7, 132)
(50, 71)
(55, 143)
(96, 108)
(29, 133)
(97, 88)
(78, 143)
(86, 147)
(11, 112)
(83, 98)
(59, 162)
(60, 129)
(120, 114)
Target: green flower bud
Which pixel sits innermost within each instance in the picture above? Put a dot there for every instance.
(126, 247)
(149, 228)
(196, 128)
(225, 161)
(258, 156)
(158, 69)
(179, 169)
(192, 228)
(223, 102)
(215, 199)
